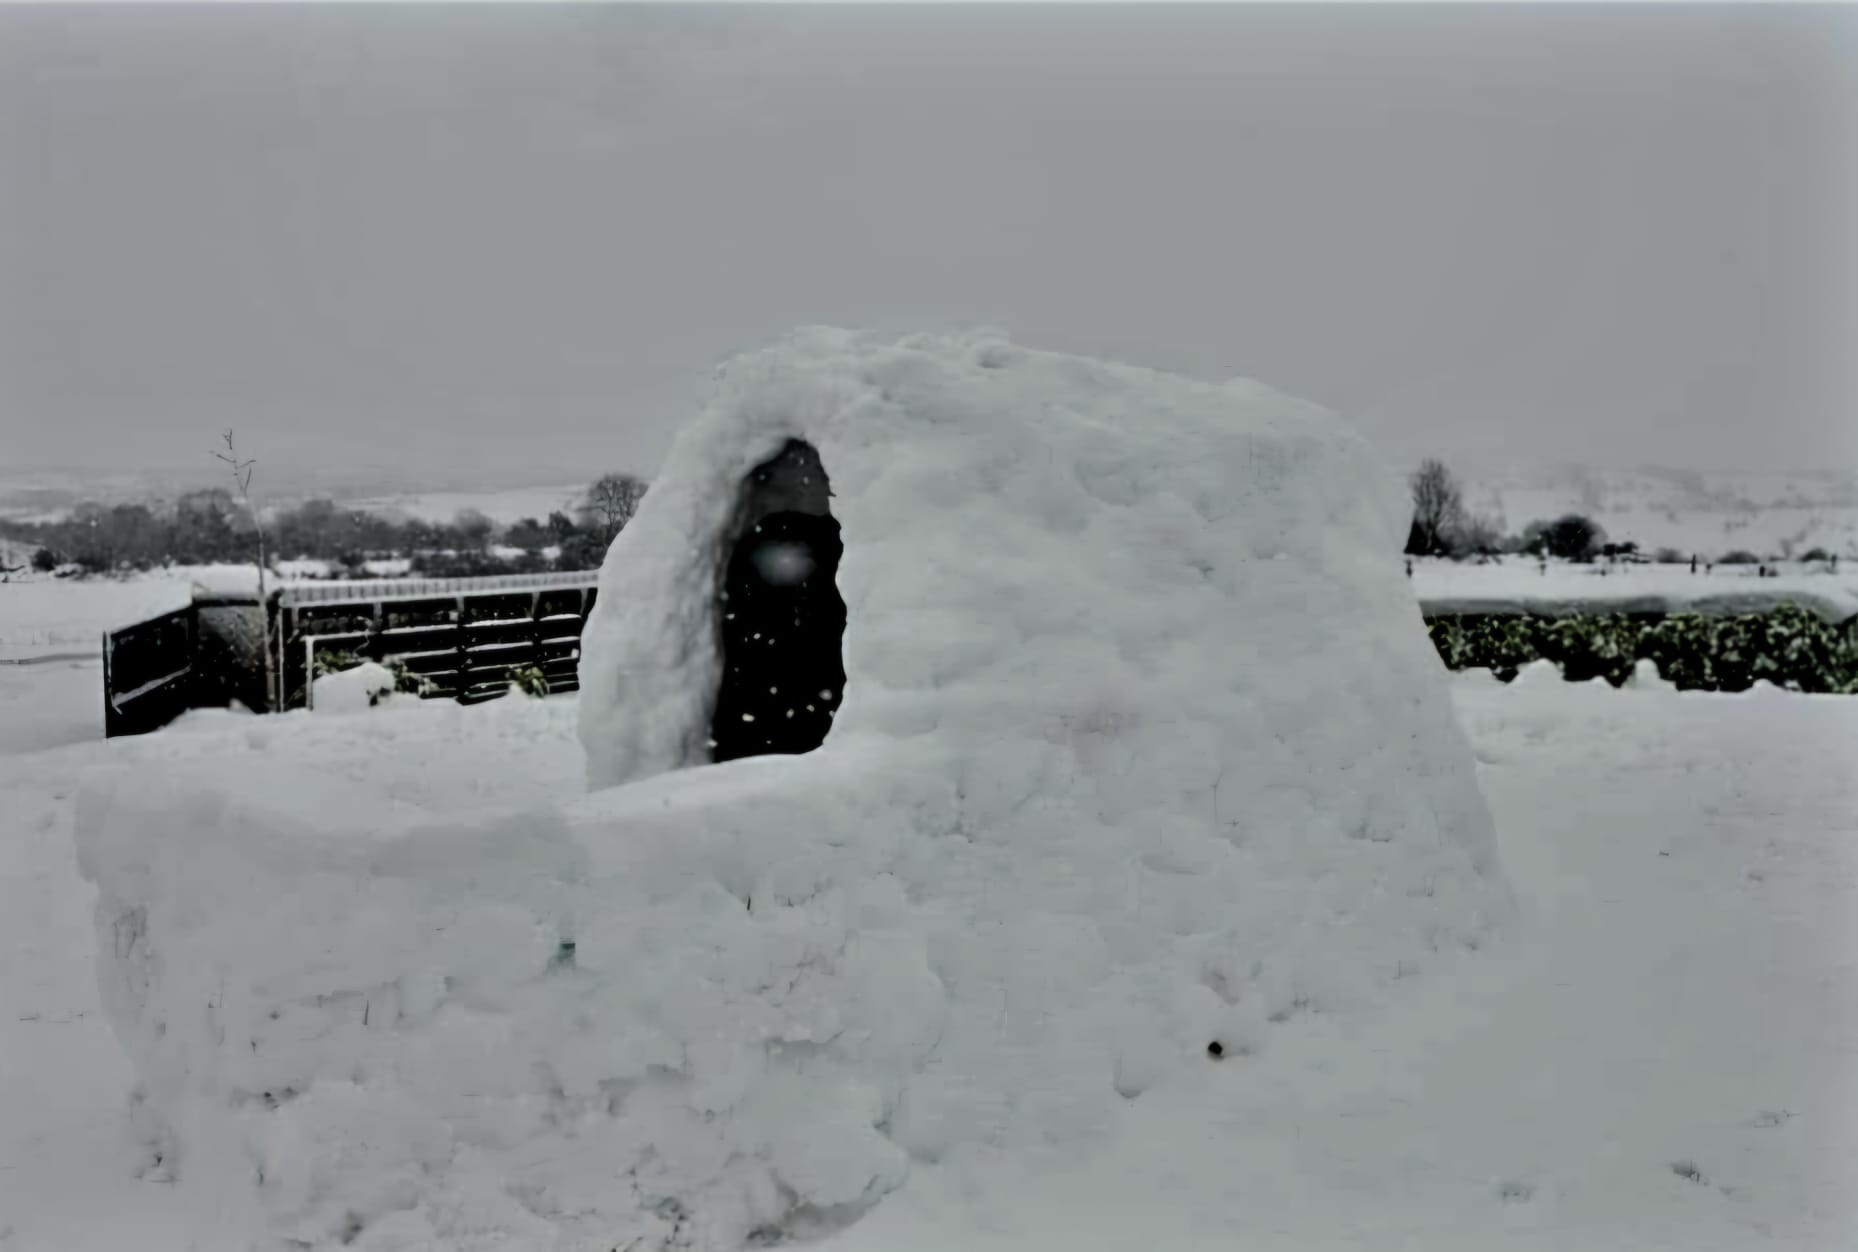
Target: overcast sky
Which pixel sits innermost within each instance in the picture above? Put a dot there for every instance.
(515, 239)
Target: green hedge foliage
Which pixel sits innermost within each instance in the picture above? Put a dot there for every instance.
(1788, 647)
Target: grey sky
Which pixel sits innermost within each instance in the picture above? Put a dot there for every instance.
(516, 238)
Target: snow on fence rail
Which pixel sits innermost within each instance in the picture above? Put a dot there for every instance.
(372, 589)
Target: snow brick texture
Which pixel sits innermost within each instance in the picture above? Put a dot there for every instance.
(1142, 749)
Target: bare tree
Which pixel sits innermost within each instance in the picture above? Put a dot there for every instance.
(1438, 507)
(242, 479)
(1474, 535)
(611, 502)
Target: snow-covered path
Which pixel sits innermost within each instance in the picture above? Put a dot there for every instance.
(1666, 1057)
(66, 1165)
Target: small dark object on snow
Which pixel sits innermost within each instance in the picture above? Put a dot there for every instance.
(1216, 1049)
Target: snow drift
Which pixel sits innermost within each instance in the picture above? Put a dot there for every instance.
(1143, 750)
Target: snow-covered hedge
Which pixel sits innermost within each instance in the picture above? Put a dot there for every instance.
(1143, 750)
(1789, 646)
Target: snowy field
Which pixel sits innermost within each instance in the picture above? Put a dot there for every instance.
(1709, 513)
(1770, 514)
(1662, 1057)
(43, 616)
(501, 506)
(1706, 513)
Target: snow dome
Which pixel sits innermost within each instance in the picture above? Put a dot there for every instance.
(1140, 752)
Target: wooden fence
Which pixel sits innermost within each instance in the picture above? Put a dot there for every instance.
(467, 639)
(467, 646)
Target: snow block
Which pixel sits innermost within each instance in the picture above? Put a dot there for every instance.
(1143, 748)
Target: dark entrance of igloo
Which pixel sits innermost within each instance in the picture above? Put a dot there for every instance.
(783, 621)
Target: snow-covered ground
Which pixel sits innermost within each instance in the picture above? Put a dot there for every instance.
(40, 616)
(1520, 582)
(1666, 1054)
(50, 704)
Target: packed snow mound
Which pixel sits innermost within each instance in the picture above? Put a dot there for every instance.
(1143, 750)
(353, 690)
(1645, 677)
(1540, 672)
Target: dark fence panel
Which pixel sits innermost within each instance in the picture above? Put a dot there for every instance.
(148, 673)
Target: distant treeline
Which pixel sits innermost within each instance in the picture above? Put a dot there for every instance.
(210, 526)
(1443, 526)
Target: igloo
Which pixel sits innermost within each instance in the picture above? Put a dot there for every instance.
(1141, 749)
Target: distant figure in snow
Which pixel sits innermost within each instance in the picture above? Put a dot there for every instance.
(1409, 567)
(1693, 562)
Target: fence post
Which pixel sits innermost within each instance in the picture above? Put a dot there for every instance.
(464, 649)
(109, 702)
(377, 632)
(536, 659)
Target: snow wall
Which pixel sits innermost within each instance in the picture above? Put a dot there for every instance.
(1143, 748)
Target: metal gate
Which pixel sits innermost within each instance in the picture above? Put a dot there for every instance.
(148, 673)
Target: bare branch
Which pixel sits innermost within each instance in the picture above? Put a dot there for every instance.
(242, 478)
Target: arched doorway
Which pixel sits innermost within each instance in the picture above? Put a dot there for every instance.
(782, 619)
